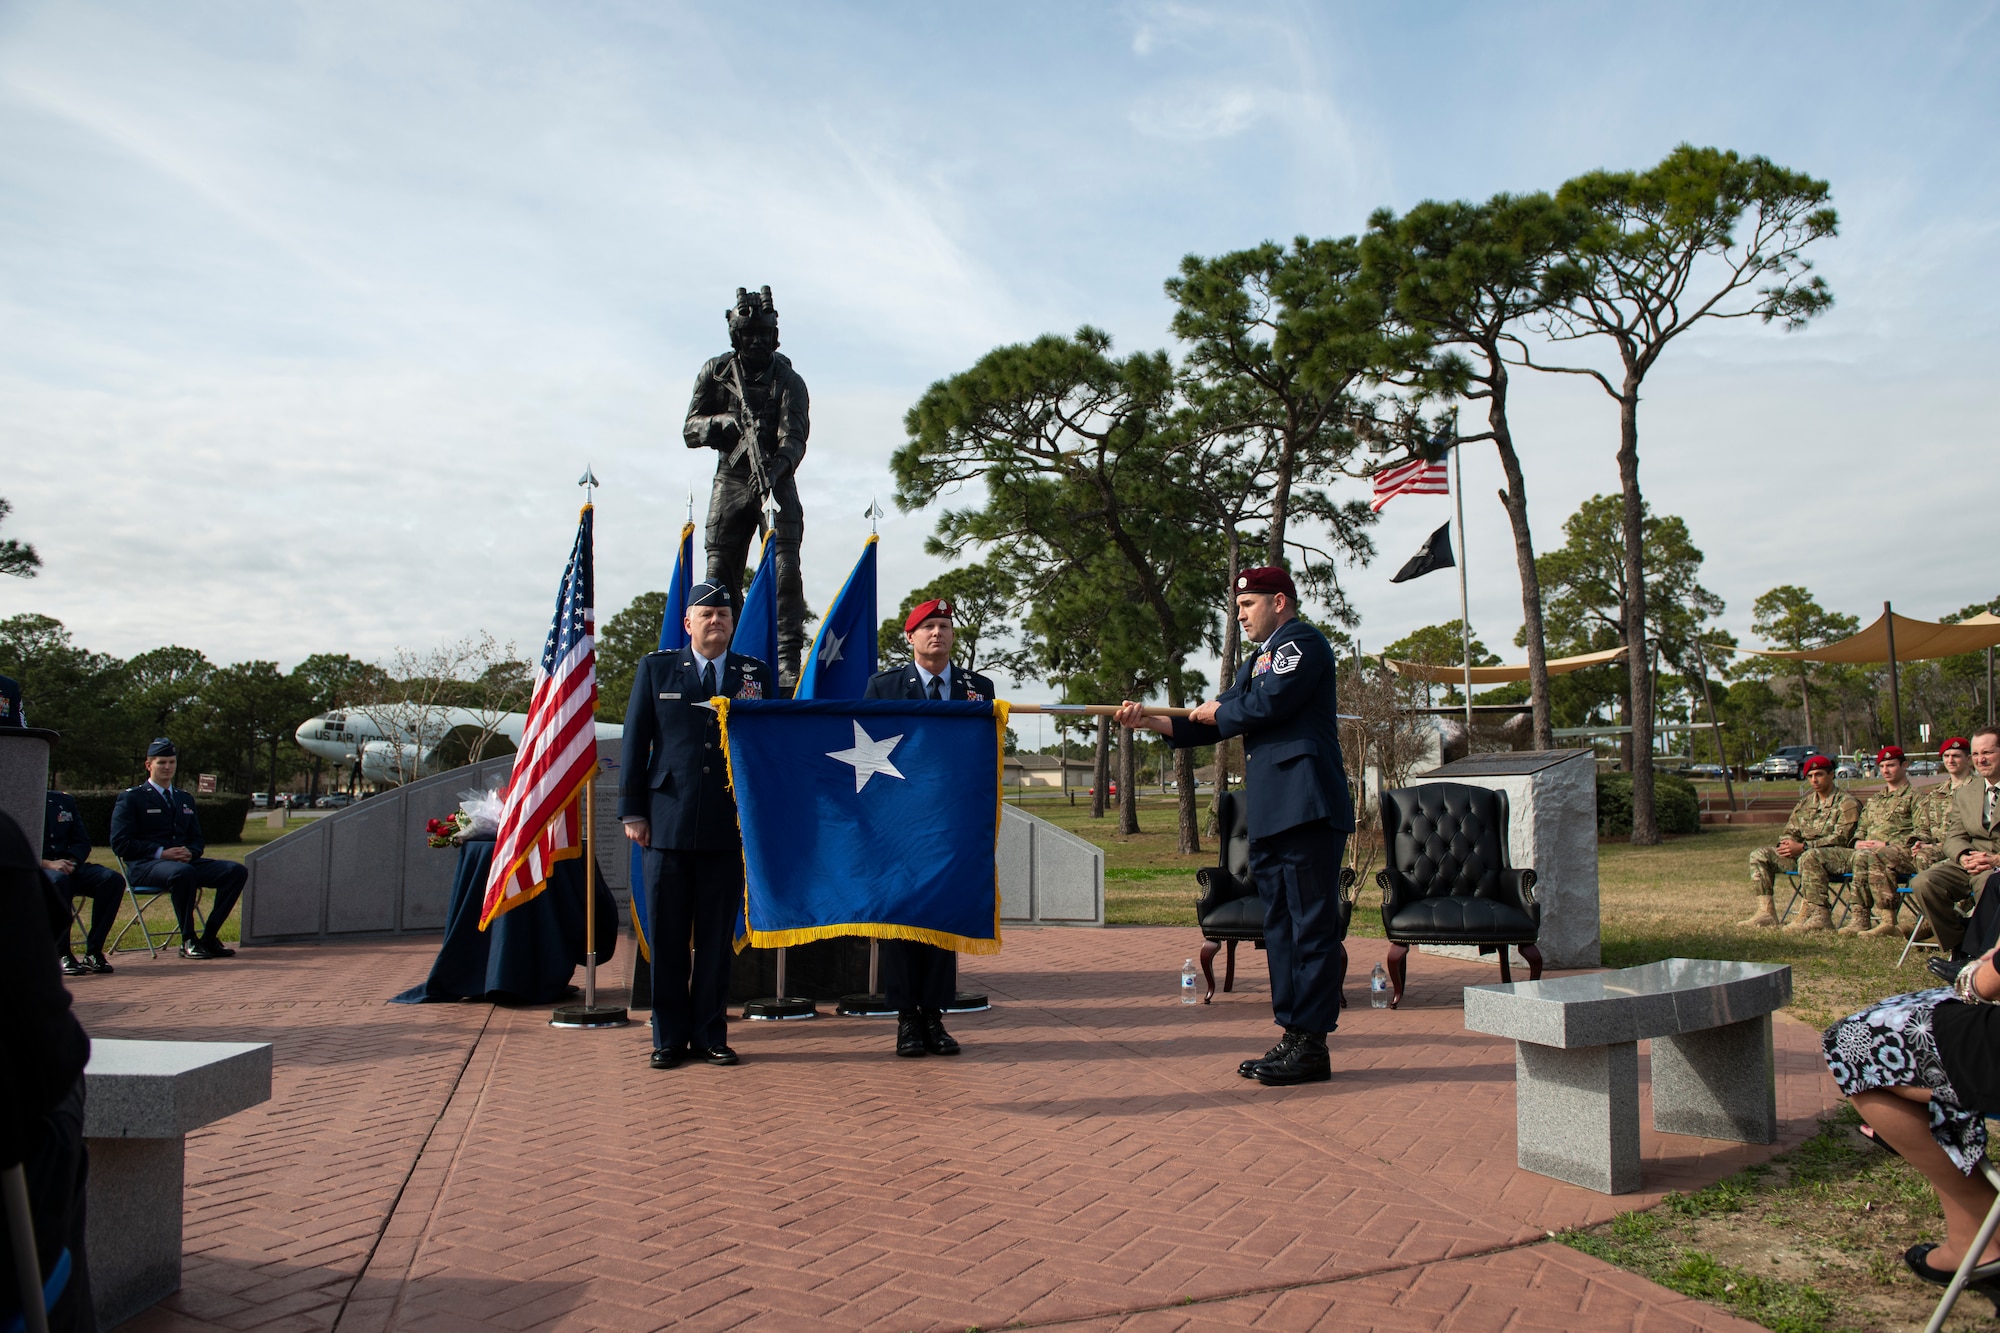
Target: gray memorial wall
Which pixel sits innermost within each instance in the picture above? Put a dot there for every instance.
(1551, 829)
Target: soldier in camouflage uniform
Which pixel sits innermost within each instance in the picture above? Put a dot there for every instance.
(1824, 818)
(1933, 823)
(1881, 850)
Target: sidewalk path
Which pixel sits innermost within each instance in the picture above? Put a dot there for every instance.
(1090, 1162)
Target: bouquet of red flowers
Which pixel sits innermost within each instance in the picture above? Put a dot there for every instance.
(448, 831)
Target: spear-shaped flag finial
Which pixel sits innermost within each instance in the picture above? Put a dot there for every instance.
(588, 481)
(872, 513)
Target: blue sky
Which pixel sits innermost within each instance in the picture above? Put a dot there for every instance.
(310, 315)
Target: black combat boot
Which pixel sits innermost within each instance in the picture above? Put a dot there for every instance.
(1248, 1069)
(936, 1040)
(910, 1033)
(1306, 1062)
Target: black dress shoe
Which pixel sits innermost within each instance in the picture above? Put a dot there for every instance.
(936, 1040)
(1985, 1279)
(1306, 1062)
(666, 1059)
(1248, 1069)
(98, 962)
(720, 1055)
(197, 950)
(1945, 969)
(72, 968)
(216, 948)
(910, 1035)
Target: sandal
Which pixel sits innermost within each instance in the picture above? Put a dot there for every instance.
(1868, 1132)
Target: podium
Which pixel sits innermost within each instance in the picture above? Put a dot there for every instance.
(24, 778)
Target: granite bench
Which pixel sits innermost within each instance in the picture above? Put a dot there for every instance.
(1576, 1060)
(141, 1099)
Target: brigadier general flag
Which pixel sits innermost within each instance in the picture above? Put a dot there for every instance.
(842, 657)
(868, 817)
(539, 822)
(673, 638)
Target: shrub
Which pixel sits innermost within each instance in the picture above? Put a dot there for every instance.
(222, 817)
(1675, 803)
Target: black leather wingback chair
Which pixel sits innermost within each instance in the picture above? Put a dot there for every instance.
(1229, 911)
(1446, 881)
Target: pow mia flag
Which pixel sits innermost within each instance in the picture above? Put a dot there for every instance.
(1435, 553)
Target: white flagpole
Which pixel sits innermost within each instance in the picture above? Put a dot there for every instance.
(1464, 618)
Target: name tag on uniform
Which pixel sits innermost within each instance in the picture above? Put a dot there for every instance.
(155, 810)
(675, 695)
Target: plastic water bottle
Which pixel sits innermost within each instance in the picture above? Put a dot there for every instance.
(1188, 995)
(1378, 988)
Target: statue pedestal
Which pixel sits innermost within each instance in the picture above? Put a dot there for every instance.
(24, 778)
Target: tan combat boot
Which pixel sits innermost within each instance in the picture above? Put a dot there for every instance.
(1888, 925)
(1766, 915)
(1861, 922)
(1816, 916)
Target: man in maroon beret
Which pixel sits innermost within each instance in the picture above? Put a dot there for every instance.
(1282, 704)
(1824, 817)
(919, 979)
(1881, 852)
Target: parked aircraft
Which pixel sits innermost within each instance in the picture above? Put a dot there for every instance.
(399, 743)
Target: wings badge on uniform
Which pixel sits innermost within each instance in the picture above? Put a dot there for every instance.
(1287, 658)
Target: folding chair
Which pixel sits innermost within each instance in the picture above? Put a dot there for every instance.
(1903, 892)
(133, 893)
(1836, 886)
(1972, 1253)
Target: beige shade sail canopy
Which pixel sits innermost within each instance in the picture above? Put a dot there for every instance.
(1501, 675)
(1915, 640)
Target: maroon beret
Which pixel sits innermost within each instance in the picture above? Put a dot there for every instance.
(1955, 743)
(1267, 579)
(936, 606)
(1816, 761)
(1889, 752)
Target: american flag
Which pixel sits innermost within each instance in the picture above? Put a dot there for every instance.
(1415, 477)
(539, 823)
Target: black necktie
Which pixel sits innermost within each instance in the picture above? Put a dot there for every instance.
(708, 680)
(937, 688)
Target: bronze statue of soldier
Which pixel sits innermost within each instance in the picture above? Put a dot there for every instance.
(750, 407)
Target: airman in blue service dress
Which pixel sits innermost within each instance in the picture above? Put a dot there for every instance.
(675, 778)
(919, 980)
(150, 820)
(1282, 705)
(66, 842)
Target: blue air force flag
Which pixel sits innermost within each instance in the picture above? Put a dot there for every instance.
(842, 656)
(757, 632)
(868, 817)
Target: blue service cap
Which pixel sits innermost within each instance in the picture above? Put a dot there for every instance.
(161, 748)
(709, 592)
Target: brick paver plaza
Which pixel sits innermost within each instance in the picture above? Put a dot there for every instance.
(1091, 1161)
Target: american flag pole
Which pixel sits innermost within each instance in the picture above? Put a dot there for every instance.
(1464, 559)
(589, 832)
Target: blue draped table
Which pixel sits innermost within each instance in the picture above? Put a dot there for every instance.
(529, 953)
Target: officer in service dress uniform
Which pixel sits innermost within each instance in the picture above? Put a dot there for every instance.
(673, 796)
(1282, 704)
(66, 863)
(157, 834)
(921, 979)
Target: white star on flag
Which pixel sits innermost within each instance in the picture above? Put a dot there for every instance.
(869, 757)
(827, 656)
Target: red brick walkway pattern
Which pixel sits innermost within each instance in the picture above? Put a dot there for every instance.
(1091, 1162)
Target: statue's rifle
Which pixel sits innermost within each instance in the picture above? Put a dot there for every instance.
(746, 426)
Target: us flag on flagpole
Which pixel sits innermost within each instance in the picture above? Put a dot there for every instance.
(539, 819)
(1416, 477)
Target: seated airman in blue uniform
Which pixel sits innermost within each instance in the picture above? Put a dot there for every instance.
(66, 863)
(157, 834)
(1282, 704)
(920, 979)
(11, 714)
(674, 799)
